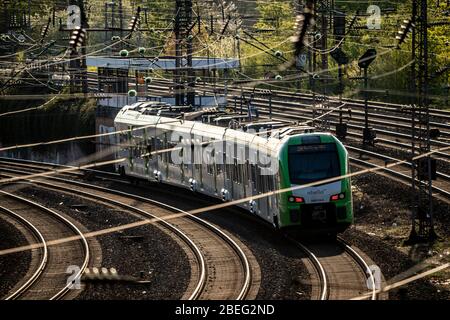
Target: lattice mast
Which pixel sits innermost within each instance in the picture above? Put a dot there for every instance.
(183, 74)
(422, 210)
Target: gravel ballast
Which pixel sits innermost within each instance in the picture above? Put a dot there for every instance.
(145, 250)
(382, 224)
(284, 275)
(14, 266)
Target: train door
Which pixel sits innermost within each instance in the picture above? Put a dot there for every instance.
(268, 187)
(248, 184)
(151, 160)
(219, 171)
(166, 155)
(228, 175)
(175, 154)
(260, 188)
(208, 172)
(238, 179)
(189, 166)
(198, 174)
(160, 156)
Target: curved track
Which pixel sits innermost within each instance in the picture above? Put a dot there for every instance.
(39, 257)
(223, 270)
(401, 173)
(50, 280)
(340, 271)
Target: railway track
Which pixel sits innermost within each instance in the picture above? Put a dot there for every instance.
(159, 86)
(340, 271)
(441, 187)
(222, 269)
(392, 129)
(49, 280)
(401, 173)
(302, 101)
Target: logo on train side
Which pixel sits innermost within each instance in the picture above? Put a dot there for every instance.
(317, 192)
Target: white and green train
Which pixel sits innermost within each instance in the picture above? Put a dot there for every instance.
(232, 164)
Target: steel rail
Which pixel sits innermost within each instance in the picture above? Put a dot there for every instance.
(74, 228)
(232, 243)
(44, 259)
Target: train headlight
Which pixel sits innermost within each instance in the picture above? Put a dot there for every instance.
(293, 199)
(337, 197)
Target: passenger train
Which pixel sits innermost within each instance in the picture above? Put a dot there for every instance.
(239, 159)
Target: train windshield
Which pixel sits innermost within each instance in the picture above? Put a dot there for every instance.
(310, 163)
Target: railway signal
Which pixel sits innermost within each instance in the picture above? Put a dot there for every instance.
(339, 25)
(364, 62)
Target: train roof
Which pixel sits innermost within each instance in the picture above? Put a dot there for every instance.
(268, 133)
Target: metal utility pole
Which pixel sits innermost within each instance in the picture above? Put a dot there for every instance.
(366, 101)
(190, 70)
(321, 42)
(183, 54)
(179, 95)
(106, 22)
(324, 8)
(77, 64)
(424, 168)
(121, 18)
(364, 62)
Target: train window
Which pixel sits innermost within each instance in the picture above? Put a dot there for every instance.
(244, 173)
(271, 183)
(219, 166)
(310, 163)
(235, 171)
(170, 145)
(259, 185)
(149, 150)
(253, 174)
(209, 165)
(229, 171)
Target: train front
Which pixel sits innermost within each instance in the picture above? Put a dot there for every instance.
(320, 200)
